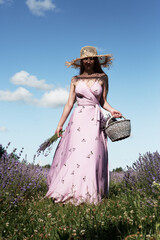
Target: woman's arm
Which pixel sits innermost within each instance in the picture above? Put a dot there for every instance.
(67, 109)
(103, 102)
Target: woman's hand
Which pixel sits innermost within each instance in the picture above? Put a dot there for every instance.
(115, 113)
(59, 128)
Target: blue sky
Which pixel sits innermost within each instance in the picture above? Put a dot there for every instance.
(37, 37)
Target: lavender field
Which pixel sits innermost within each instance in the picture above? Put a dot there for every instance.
(132, 210)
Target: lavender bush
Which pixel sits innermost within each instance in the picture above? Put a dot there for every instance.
(143, 173)
(116, 183)
(123, 215)
(19, 180)
(116, 177)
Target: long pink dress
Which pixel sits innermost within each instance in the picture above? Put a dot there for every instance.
(79, 172)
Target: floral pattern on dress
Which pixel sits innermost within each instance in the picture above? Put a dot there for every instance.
(79, 171)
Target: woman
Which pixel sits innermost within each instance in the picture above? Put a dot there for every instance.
(79, 172)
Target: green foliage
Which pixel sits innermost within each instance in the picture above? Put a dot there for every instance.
(115, 188)
(119, 169)
(122, 214)
(46, 166)
(2, 150)
(126, 214)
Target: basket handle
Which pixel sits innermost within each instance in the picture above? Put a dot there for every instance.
(111, 118)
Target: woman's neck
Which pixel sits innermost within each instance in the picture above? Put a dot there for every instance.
(88, 72)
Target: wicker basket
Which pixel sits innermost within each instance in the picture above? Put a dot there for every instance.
(118, 130)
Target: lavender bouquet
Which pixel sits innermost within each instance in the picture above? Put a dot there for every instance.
(46, 147)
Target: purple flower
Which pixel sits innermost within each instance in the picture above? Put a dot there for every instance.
(143, 172)
(20, 180)
(46, 145)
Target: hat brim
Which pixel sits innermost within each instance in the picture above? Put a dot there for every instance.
(104, 60)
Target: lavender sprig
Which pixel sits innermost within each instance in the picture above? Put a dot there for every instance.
(46, 147)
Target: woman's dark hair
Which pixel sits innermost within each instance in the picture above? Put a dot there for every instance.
(97, 67)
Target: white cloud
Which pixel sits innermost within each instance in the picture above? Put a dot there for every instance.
(24, 78)
(38, 7)
(51, 99)
(2, 1)
(54, 98)
(3, 129)
(21, 94)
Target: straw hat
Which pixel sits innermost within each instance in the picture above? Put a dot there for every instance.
(89, 51)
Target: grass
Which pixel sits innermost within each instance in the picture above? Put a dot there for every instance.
(121, 215)
(128, 213)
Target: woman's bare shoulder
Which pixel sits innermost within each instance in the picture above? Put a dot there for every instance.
(103, 79)
(104, 76)
(74, 79)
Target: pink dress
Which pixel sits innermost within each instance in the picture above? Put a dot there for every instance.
(79, 172)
